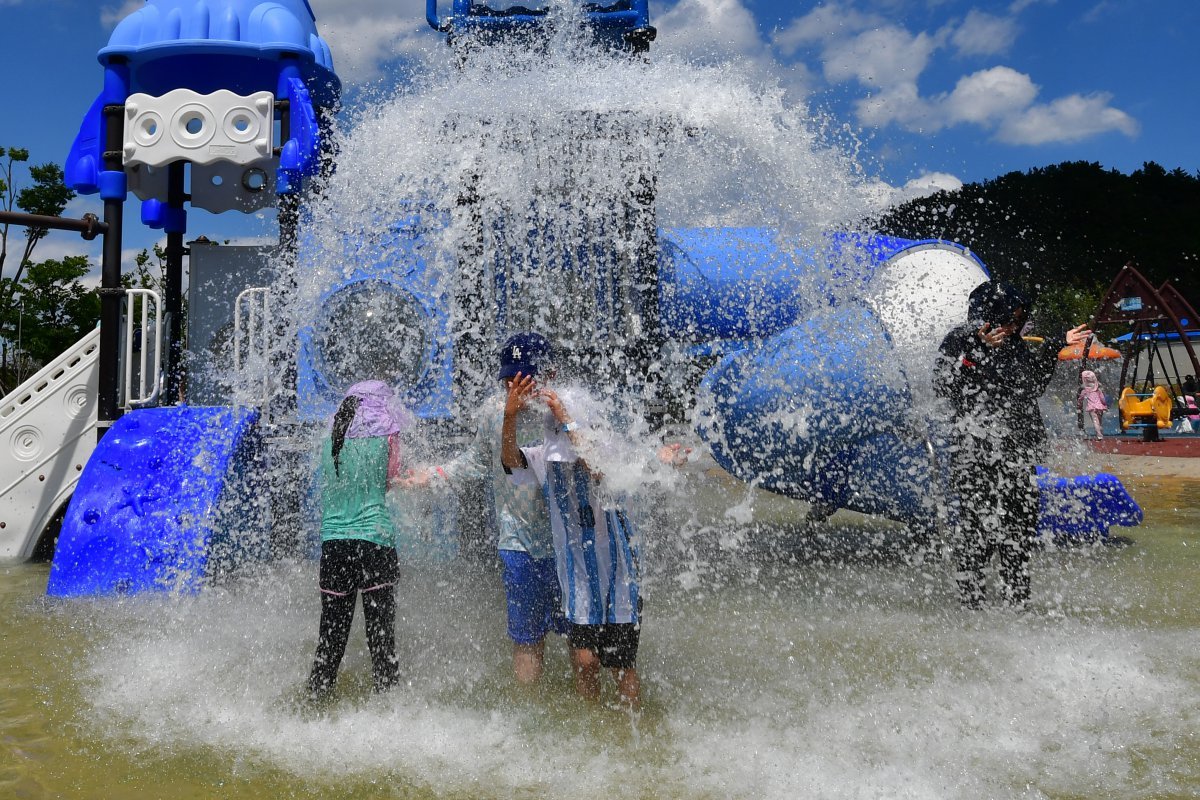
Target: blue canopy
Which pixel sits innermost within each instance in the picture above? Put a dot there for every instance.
(1165, 336)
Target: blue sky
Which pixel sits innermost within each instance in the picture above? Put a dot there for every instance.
(942, 91)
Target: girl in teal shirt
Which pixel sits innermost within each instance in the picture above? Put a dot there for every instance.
(359, 462)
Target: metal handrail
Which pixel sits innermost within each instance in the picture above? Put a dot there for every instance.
(256, 301)
(146, 395)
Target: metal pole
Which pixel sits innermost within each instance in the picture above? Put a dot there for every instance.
(111, 293)
(174, 282)
(20, 324)
(1083, 359)
(89, 225)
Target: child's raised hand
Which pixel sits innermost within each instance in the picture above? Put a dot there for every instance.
(552, 401)
(520, 389)
(674, 454)
(413, 479)
(992, 337)
(1078, 335)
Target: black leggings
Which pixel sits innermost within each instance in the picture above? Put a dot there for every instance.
(997, 518)
(348, 567)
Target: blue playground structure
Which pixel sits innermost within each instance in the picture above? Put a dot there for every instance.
(171, 498)
(816, 356)
(623, 24)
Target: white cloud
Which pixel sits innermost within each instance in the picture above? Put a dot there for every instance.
(701, 29)
(361, 46)
(111, 15)
(1099, 11)
(365, 34)
(1067, 119)
(900, 104)
(824, 22)
(884, 196)
(720, 31)
(930, 182)
(1017, 6)
(885, 56)
(982, 34)
(890, 60)
(988, 95)
(56, 246)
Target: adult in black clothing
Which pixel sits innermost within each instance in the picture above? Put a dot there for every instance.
(992, 380)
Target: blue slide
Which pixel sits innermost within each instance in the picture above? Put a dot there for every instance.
(171, 498)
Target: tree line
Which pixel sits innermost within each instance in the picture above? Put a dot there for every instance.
(1064, 231)
(45, 306)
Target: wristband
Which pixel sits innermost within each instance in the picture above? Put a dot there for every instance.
(567, 427)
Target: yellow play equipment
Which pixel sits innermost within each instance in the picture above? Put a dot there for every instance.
(1139, 408)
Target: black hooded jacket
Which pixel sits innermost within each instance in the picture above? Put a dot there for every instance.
(993, 391)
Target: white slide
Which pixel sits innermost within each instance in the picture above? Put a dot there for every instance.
(47, 434)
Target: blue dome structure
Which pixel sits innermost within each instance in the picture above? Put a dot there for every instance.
(249, 39)
(205, 46)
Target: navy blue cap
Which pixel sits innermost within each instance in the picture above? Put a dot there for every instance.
(996, 303)
(525, 353)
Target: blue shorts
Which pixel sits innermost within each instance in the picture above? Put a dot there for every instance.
(534, 599)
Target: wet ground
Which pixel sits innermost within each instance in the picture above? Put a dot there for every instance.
(779, 660)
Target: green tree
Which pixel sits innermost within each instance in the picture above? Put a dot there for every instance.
(56, 309)
(1073, 225)
(149, 270)
(1060, 306)
(46, 193)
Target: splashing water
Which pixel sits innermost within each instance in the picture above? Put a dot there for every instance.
(775, 667)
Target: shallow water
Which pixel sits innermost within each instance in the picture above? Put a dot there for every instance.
(777, 662)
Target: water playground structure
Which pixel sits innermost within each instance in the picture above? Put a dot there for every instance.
(227, 105)
(1162, 326)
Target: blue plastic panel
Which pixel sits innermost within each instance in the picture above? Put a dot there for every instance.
(1084, 507)
(503, 16)
(170, 498)
(243, 46)
(395, 264)
(814, 414)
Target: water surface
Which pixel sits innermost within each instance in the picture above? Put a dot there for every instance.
(778, 661)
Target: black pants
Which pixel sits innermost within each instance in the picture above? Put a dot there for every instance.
(350, 567)
(997, 518)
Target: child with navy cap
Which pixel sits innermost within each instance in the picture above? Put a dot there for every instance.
(520, 518)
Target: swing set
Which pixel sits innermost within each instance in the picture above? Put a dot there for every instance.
(1152, 393)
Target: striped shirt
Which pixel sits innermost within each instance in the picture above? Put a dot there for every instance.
(596, 550)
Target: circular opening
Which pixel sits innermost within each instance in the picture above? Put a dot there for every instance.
(254, 180)
(147, 128)
(371, 330)
(241, 124)
(191, 126)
